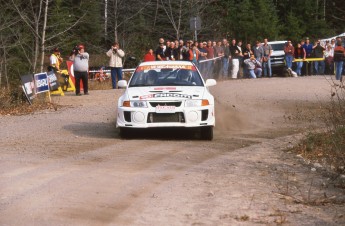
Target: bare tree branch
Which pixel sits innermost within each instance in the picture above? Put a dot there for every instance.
(64, 31)
(25, 20)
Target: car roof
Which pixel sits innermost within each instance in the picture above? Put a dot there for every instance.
(182, 63)
(276, 42)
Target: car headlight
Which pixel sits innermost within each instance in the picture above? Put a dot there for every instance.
(135, 104)
(196, 103)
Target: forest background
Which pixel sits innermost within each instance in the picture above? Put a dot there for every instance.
(30, 29)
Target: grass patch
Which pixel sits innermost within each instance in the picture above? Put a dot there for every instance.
(14, 102)
(328, 148)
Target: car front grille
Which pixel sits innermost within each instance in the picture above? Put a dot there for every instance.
(167, 117)
(174, 103)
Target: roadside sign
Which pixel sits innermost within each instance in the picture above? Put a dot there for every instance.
(53, 81)
(28, 87)
(195, 23)
(41, 81)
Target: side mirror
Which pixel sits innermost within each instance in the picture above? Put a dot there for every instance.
(211, 82)
(122, 84)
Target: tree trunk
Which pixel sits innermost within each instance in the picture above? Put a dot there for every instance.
(116, 18)
(106, 19)
(44, 35)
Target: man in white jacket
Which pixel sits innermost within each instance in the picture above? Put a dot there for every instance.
(115, 63)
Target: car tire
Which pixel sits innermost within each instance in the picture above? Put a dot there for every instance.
(124, 133)
(206, 133)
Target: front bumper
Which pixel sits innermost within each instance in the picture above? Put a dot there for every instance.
(180, 117)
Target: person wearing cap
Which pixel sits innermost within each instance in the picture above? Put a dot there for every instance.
(115, 63)
(55, 60)
(80, 60)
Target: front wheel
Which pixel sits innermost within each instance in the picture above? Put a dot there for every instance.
(206, 133)
(124, 133)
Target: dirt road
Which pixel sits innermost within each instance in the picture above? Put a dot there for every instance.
(70, 167)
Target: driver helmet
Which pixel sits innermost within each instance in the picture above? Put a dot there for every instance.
(152, 77)
(185, 75)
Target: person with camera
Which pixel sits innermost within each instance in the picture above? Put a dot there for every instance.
(253, 66)
(115, 63)
(80, 60)
(55, 60)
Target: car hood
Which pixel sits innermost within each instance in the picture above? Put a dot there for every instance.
(165, 93)
(278, 53)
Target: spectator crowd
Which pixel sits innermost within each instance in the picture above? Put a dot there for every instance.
(223, 59)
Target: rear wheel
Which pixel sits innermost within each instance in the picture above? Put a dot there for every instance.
(206, 133)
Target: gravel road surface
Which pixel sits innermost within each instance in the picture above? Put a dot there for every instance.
(70, 167)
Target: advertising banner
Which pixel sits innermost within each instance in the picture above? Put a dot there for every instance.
(41, 81)
(53, 81)
(71, 73)
(28, 86)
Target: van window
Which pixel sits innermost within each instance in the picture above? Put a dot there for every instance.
(278, 46)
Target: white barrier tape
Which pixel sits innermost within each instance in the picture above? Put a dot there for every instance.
(201, 61)
(123, 70)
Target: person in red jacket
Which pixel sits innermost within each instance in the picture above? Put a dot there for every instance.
(194, 54)
(339, 57)
(149, 56)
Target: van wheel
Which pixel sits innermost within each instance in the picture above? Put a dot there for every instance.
(206, 133)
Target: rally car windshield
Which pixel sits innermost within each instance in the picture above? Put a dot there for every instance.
(166, 77)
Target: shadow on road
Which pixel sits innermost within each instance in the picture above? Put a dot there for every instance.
(163, 134)
(109, 130)
(92, 129)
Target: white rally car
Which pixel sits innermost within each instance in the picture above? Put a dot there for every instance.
(166, 94)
